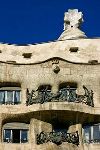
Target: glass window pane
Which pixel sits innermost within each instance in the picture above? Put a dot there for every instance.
(96, 133)
(24, 136)
(2, 97)
(9, 96)
(7, 135)
(17, 97)
(16, 135)
(87, 133)
(71, 94)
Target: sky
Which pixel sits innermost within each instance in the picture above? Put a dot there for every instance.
(36, 21)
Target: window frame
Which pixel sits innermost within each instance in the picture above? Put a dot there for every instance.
(10, 140)
(13, 90)
(91, 134)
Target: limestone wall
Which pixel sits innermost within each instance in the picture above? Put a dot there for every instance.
(32, 76)
(39, 69)
(48, 146)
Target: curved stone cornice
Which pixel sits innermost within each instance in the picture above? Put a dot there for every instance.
(88, 50)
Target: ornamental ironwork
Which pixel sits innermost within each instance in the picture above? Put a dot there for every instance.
(58, 137)
(92, 141)
(65, 94)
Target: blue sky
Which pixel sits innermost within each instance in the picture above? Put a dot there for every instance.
(34, 21)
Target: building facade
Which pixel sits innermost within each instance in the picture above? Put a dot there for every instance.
(50, 92)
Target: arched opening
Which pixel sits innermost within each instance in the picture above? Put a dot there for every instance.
(68, 84)
(58, 126)
(44, 87)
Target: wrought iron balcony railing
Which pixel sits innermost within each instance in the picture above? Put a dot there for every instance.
(58, 137)
(92, 141)
(65, 94)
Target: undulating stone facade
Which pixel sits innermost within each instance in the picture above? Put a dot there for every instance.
(50, 92)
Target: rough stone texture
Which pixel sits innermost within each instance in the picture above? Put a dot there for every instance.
(72, 19)
(31, 77)
(73, 33)
(92, 146)
(48, 146)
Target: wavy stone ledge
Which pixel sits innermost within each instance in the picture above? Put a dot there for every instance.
(14, 110)
(64, 106)
(88, 49)
(48, 146)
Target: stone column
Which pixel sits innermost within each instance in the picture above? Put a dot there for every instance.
(80, 90)
(34, 129)
(1, 131)
(37, 126)
(79, 129)
(55, 88)
(72, 128)
(23, 95)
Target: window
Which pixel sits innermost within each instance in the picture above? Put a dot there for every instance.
(87, 133)
(93, 62)
(44, 93)
(15, 136)
(7, 136)
(10, 95)
(15, 133)
(92, 133)
(24, 136)
(68, 91)
(43, 88)
(59, 127)
(73, 49)
(27, 55)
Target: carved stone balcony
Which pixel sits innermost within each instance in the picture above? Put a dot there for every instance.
(66, 94)
(58, 137)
